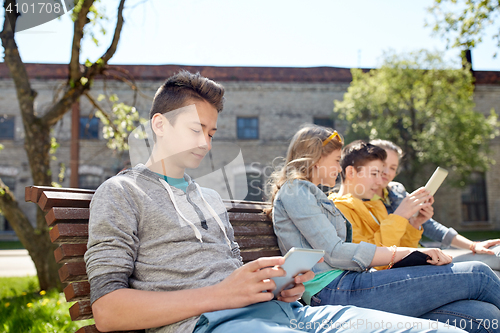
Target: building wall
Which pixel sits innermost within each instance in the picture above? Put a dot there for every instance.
(281, 107)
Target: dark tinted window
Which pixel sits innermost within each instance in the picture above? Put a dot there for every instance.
(89, 128)
(325, 122)
(7, 127)
(248, 128)
(474, 201)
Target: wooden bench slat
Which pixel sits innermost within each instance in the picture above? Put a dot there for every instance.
(256, 242)
(252, 255)
(67, 215)
(70, 253)
(36, 191)
(253, 230)
(93, 329)
(73, 271)
(77, 291)
(70, 233)
(251, 217)
(88, 329)
(245, 202)
(80, 311)
(50, 199)
(27, 193)
(245, 207)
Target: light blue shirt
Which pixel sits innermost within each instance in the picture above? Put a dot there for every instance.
(179, 183)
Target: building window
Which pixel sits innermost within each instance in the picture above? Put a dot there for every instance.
(11, 183)
(89, 128)
(4, 224)
(254, 183)
(89, 182)
(324, 121)
(7, 128)
(474, 205)
(248, 128)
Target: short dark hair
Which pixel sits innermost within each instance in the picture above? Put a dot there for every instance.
(182, 87)
(358, 153)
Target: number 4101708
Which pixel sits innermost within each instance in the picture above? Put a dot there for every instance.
(464, 324)
(38, 8)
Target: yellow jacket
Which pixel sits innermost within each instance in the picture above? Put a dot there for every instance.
(390, 230)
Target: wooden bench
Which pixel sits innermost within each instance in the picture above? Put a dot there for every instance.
(67, 213)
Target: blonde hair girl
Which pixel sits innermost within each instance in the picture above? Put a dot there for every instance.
(304, 217)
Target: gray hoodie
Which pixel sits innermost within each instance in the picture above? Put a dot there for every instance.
(145, 234)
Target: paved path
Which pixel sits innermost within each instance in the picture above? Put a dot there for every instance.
(16, 263)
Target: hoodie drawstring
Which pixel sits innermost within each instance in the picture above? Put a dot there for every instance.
(215, 215)
(171, 194)
(191, 224)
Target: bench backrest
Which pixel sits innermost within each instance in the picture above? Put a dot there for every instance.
(67, 213)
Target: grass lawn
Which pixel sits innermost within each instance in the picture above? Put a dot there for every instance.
(473, 235)
(11, 245)
(24, 308)
(480, 235)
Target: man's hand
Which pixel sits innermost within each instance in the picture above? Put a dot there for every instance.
(413, 202)
(295, 293)
(245, 285)
(424, 214)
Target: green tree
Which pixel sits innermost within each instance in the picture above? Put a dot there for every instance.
(463, 23)
(426, 108)
(38, 125)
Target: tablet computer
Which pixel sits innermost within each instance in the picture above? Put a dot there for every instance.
(297, 261)
(436, 180)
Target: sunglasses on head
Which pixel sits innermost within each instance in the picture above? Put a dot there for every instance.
(331, 137)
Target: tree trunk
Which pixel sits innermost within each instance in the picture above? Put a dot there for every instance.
(41, 249)
(35, 239)
(37, 132)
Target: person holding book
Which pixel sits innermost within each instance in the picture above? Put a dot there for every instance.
(393, 194)
(303, 216)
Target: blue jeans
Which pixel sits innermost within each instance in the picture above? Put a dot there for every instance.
(280, 317)
(467, 291)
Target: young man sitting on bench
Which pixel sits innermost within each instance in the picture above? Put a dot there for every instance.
(161, 253)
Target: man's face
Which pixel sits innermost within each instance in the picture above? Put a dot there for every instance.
(367, 179)
(390, 167)
(186, 143)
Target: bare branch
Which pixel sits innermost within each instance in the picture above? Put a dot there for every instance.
(11, 210)
(57, 111)
(99, 65)
(116, 38)
(80, 22)
(128, 79)
(80, 83)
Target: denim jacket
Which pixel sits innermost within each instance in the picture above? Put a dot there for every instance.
(432, 228)
(304, 217)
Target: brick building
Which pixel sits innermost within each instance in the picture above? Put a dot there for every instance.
(264, 108)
